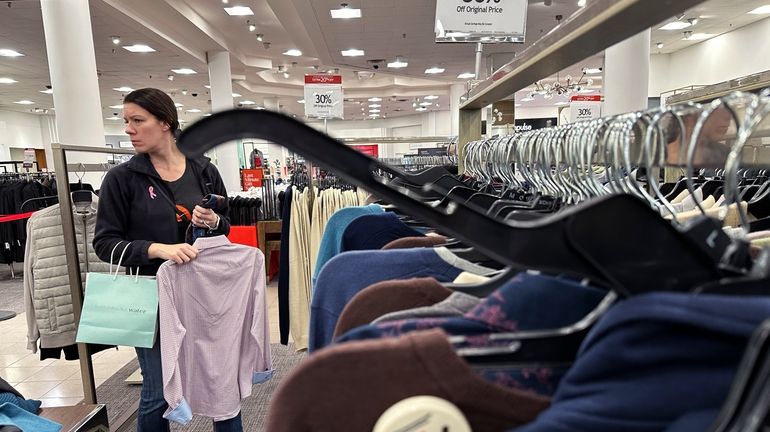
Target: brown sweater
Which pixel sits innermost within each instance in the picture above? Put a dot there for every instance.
(415, 242)
(389, 296)
(347, 387)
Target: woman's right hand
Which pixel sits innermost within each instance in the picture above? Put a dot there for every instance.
(179, 253)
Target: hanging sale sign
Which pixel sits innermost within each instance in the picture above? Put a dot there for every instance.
(585, 108)
(323, 96)
(481, 20)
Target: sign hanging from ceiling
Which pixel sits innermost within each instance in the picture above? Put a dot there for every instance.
(585, 108)
(323, 96)
(487, 21)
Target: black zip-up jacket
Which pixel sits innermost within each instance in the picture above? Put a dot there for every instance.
(136, 205)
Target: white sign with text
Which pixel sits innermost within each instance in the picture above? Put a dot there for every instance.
(585, 108)
(323, 96)
(480, 20)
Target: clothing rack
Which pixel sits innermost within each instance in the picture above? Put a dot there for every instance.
(598, 25)
(415, 163)
(73, 262)
(16, 165)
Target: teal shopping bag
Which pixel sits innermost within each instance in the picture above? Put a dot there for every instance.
(119, 309)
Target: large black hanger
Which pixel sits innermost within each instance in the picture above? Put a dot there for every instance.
(616, 241)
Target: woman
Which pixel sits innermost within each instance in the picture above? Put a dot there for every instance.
(146, 201)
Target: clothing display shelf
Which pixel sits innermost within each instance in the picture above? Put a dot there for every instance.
(597, 26)
(702, 94)
(70, 246)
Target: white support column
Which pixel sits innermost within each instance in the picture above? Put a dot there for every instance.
(455, 92)
(220, 79)
(272, 104)
(70, 46)
(627, 75)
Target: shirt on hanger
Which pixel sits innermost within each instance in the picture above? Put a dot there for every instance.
(331, 242)
(283, 276)
(325, 392)
(389, 296)
(342, 278)
(526, 302)
(457, 304)
(652, 359)
(299, 269)
(214, 328)
(415, 242)
(374, 231)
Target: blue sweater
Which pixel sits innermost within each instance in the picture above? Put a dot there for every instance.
(331, 242)
(374, 231)
(652, 360)
(350, 272)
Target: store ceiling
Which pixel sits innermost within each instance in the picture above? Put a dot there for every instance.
(182, 31)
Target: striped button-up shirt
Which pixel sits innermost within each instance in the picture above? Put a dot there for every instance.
(215, 339)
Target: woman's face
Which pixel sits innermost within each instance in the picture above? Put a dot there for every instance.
(147, 133)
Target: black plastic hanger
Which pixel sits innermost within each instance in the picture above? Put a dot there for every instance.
(581, 241)
(746, 406)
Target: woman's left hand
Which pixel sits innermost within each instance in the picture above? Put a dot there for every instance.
(205, 218)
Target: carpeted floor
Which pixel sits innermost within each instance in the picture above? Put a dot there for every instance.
(118, 396)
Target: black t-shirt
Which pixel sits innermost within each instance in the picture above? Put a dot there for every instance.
(187, 194)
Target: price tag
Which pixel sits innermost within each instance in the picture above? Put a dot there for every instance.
(323, 96)
(486, 21)
(585, 108)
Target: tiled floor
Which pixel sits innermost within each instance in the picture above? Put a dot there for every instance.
(57, 382)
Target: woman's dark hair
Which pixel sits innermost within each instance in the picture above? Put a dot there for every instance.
(157, 103)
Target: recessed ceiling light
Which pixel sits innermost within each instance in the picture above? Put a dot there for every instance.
(431, 97)
(113, 118)
(252, 27)
(260, 37)
(659, 45)
(24, 102)
(345, 12)
(116, 106)
(592, 71)
(761, 10)
(581, 3)
(123, 89)
(375, 105)
(527, 99)
(207, 115)
(194, 110)
(698, 36)
(676, 25)
(177, 104)
(207, 86)
(374, 110)
(236, 95)
(374, 99)
(561, 103)
(352, 52)
(5, 52)
(466, 75)
(184, 71)
(301, 101)
(248, 102)
(398, 63)
(293, 52)
(11, 81)
(239, 11)
(115, 40)
(421, 109)
(426, 104)
(434, 70)
(139, 48)
(374, 115)
(516, 105)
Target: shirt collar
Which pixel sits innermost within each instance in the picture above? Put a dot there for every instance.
(211, 242)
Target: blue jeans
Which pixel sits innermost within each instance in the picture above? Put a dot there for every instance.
(152, 405)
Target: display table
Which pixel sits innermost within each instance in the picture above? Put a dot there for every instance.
(77, 418)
